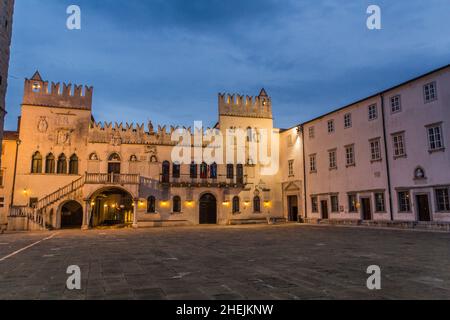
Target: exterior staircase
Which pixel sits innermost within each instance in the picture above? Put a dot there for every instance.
(35, 216)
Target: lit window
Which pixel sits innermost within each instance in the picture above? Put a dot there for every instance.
(429, 92)
(379, 202)
(352, 203)
(404, 204)
(373, 112)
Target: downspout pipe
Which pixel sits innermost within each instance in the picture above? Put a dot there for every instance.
(388, 170)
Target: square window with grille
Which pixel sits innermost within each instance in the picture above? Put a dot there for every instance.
(331, 126)
(404, 202)
(442, 199)
(399, 145)
(429, 92)
(396, 104)
(348, 121)
(435, 138)
(375, 151)
(373, 112)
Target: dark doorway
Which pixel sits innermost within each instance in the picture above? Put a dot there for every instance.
(71, 215)
(166, 172)
(324, 206)
(111, 207)
(114, 167)
(366, 210)
(208, 209)
(293, 208)
(424, 207)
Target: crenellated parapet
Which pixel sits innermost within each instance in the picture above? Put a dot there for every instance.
(245, 106)
(37, 92)
(130, 133)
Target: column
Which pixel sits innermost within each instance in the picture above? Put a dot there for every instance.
(135, 213)
(87, 207)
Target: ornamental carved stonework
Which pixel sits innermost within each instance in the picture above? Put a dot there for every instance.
(42, 125)
(63, 137)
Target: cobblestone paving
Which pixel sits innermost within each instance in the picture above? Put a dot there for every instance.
(254, 262)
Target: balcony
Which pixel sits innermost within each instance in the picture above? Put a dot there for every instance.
(186, 181)
(112, 178)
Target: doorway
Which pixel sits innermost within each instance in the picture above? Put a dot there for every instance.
(71, 215)
(366, 209)
(208, 209)
(293, 208)
(324, 206)
(423, 206)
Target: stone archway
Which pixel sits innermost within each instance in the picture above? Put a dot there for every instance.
(112, 206)
(208, 209)
(71, 215)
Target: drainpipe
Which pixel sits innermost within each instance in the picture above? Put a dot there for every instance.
(388, 170)
(18, 142)
(302, 128)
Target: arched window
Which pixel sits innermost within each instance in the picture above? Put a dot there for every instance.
(176, 204)
(230, 171)
(176, 168)
(193, 170)
(257, 204)
(236, 205)
(203, 171)
(166, 172)
(240, 173)
(73, 164)
(213, 171)
(62, 164)
(50, 164)
(151, 204)
(36, 164)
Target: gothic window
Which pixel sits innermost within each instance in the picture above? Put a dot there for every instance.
(176, 204)
(73, 164)
(50, 164)
(257, 204)
(62, 164)
(193, 170)
(203, 171)
(236, 205)
(230, 171)
(176, 170)
(36, 165)
(213, 171)
(166, 172)
(151, 204)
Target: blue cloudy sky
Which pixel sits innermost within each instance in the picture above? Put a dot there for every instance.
(166, 60)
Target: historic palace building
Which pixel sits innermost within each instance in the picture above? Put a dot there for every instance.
(6, 14)
(381, 159)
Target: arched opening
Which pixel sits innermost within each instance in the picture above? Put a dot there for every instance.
(71, 215)
(166, 172)
(73, 164)
(176, 204)
(213, 171)
(36, 165)
(62, 164)
(114, 161)
(203, 171)
(111, 207)
(208, 209)
(50, 164)
(176, 170)
(193, 170)
(151, 204)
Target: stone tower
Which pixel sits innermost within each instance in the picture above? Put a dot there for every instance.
(6, 15)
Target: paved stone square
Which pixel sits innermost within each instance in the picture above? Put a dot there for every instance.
(241, 262)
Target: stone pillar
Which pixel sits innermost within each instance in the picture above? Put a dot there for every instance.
(87, 208)
(135, 213)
